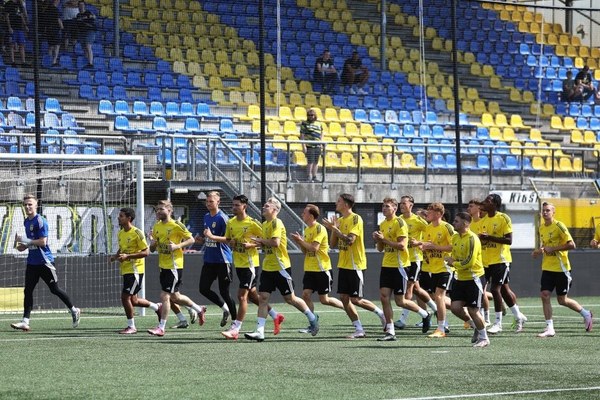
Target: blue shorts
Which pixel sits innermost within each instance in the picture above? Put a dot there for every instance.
(18, 37)
(90, 37)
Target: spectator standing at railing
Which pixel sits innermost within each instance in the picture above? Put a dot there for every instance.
(16, 20)
(311, 129)
(86, 27)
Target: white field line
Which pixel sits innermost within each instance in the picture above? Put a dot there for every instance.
(519, 392)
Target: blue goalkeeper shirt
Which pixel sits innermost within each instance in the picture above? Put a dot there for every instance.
(214, 252)
(36, 228)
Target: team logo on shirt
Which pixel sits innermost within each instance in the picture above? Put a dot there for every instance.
(214, 224)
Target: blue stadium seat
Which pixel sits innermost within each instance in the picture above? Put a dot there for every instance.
(14, 103)
(360, 115)
(172, 109)
(408, 131)
(159, 124)
(203, 111)
(103, 92)
(187, 109)
(154, 94)
(226, 125)
(141, 108)
(191, 125)
(117, 78)
(394, 131)
(151, 79)
(106, 107)
(167, 81)
(375, 116)
(134, 78)
(186, 95)
(121, 107)
(119, 93)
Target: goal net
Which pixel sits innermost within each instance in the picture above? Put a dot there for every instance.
(576, 202)
(80, 196)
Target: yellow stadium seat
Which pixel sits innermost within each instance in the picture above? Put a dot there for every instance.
(530, 149)
(331, 114)
(536, 135)
(472, 94)
(557, 150)
(200, 82)
(351, 129)
(179, 67)
(501, 120)
(508, 134)
(290, 128)
(332, 160)
(478, 107)
(252, 113)
(378, 161)
(218, 96)
(305, 87)
(274, 127)
(299, 158)
(346, 115)
(300, 113)
(290, 86)
(569, 123)
(295, 99)
(335, 129)
(556, 123)
(515, 96)
(589, 137)
(285, 113)
(539, 164)
(240, 71)
(325, 101)
(193, 68)
(347, 160)
(514, 148)
(235, 97)
(366, 130)
(310, 100)
(191, 55)
(495, 133)
(250, 97)
(576, 136)
(487, 119)
(365, 161)
(476, 70)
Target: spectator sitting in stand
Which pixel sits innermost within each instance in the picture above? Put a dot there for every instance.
(325, 72)
(569, 91)
(355, 74)
(583, 83)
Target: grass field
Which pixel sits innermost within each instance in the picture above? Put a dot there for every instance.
(54, 361)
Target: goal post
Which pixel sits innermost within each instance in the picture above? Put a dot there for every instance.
(80, 196)
(576, 201)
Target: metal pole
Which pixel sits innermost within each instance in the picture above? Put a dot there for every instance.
(382, 37)
(459, 200)
(261, 63)
(116, 18)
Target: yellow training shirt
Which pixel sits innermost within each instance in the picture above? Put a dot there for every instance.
(416, 227)
(466, 252)
(441, 235)
(317, 261)
(131, 242)
(392, 230)
(553, 235)
(354, 256)
(241, 232)
(164, 233)
(276, 258)
(499, 225)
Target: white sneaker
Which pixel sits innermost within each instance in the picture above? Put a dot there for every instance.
(258, 336)
(305, 330)
(357, 335)
(589, 322)
(496, 328)
(21, 326)
(399, 324)
(519, 323)
(388, 337)
(482, 343)
(193, 316)
(352, 91)
(76, 316)
(362, 91)
(547, 333)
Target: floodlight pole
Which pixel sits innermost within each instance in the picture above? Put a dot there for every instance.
(261, 63)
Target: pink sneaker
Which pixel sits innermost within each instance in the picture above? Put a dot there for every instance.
(128, 331)
(159, 311)
(202, 315)
(158, 331)
(277, 321)
(231, 334)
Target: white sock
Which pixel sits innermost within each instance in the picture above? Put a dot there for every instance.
(486, 316)
(26, 320)
(180, 317)
(584, 313)
(472, 324)
(482, 334)
(378, 311)
(389, 328)
(441, 325)
(225, 307)
(515, 310)
(73, 309)
(357, 325)
(131, 323)
(162, 324)
(273, 313)
(196, 307)
(153, 306)
(309, 314)
(423, 313)
(260, 325)
(404, 315)
(549, 324)
(498, 318)
(237, 325)
(432, 305)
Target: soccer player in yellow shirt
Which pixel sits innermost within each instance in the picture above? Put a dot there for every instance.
(239, 233)
(595, 242)
(276, 273)
(392, 240)
(416, 227)
(436, 276)
(132, 252)
(495, 233)
(317, 264)
(467, 289)
(555, 243)
(169, 237)
(347, 234)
